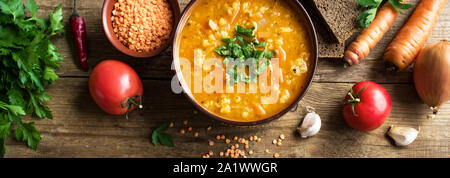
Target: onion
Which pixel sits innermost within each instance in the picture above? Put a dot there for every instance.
(432, 75)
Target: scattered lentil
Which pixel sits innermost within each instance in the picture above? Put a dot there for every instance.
(171, 124)
(227, 141)
(195, 134)
(211, 143)
(276, 155)
(182, 131)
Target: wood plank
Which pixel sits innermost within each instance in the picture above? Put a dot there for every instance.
(81, 129)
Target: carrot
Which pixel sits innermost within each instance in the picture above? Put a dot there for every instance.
(412, 37)
(369, 37)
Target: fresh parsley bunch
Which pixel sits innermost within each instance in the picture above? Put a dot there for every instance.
(28, 61)
(239, 51)
(365, 18)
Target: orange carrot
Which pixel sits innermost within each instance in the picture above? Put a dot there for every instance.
(369, 37)
(412, 37)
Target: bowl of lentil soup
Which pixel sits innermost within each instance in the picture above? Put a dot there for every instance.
(140, 28)
(277, 38)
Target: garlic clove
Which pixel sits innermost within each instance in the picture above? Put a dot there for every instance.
(403, 136)
(310, 126)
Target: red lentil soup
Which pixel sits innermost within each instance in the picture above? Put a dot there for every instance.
(275, 24)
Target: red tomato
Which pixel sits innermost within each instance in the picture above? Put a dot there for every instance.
(367, 106)
(115, 87)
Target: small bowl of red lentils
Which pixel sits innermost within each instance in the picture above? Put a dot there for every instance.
(140, 28)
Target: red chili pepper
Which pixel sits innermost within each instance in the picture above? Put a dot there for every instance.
(78, 26)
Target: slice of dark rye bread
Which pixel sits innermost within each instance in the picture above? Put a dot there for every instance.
(340, 16)
(328, 47)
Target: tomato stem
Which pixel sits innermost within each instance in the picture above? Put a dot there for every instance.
(354, 99)
(130, 102)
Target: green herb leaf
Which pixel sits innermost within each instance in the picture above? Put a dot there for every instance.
(228, 40)
(397, 4)
(369, 3)
(155, 138)
(246, 32)
(56, 23)
(163, 127)
(50, 75)
(27, 132)
(365, 18)
(223, 51)
(5, 128)
(2, 148)
(238, 51)
(259, 44)
(28, 61)
(32, 7)
(12, 7)
(163, 138)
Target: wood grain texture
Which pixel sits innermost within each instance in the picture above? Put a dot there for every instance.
(81, 129)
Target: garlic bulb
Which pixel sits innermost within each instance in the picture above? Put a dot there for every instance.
(311, 124)
(403, 135)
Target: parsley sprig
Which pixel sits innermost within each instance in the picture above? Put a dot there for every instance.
(242, 50)
(365, 18)
(163, 138)
(28, 63)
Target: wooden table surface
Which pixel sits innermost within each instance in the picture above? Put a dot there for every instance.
(81, 129)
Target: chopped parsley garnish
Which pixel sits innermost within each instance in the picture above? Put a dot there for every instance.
(241, 51)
